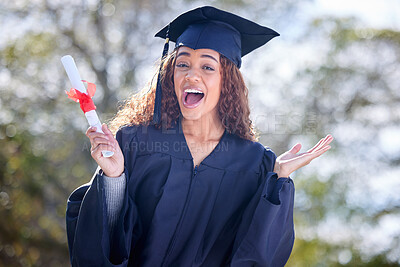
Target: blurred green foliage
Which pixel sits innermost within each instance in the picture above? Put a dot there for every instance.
(32, 203)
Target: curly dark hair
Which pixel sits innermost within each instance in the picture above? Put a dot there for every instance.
(233, 105)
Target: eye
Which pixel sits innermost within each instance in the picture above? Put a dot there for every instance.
(206, 67)
(182, 65)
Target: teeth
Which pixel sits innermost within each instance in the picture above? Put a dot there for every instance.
(193, 91)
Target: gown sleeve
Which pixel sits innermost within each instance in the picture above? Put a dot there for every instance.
(266, 234)
(87, 225)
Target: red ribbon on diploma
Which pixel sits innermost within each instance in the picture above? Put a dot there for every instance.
(84, 100)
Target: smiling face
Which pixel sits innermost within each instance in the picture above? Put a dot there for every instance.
(197, 81)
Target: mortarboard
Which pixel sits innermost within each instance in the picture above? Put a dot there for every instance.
(212, 28)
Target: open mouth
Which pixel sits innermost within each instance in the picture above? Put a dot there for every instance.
(192, 98)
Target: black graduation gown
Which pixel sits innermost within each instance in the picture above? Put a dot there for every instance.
(231, 210)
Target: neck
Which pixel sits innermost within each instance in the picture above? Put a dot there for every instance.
(204, 129)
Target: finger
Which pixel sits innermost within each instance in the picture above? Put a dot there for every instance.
(96, 151)
(109, 134)
(94, 134)
(324, 141)
(100, 140)
(316, 145)
(304, 159)
(104, 147)
(327, 141)
(107, 131)
(327, 138)
(319, 152)
(90, 130)
(295, 149)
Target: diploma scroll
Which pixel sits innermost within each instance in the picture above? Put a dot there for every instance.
(90, 112)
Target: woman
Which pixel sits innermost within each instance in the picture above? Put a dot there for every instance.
(194, 189)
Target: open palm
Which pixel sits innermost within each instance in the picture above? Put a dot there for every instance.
(290, 161)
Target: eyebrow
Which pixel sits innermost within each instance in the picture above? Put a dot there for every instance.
(203, 55)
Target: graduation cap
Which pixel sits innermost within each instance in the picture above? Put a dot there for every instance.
(212, 28)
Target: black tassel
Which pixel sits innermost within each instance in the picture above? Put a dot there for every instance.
(157, 100)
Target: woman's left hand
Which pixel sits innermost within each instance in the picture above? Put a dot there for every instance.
(290, 161)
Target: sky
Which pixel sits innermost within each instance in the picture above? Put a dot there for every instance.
(377, 13)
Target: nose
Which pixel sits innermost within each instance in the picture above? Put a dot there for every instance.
(192, 75)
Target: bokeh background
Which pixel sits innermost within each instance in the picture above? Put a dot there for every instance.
(335, 69)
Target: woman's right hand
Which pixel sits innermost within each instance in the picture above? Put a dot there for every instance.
(114, 165)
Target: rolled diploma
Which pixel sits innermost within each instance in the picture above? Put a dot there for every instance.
(76, 81)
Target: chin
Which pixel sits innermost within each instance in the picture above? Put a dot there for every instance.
(191, 114)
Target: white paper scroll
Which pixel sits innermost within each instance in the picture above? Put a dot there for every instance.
(76, 81)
